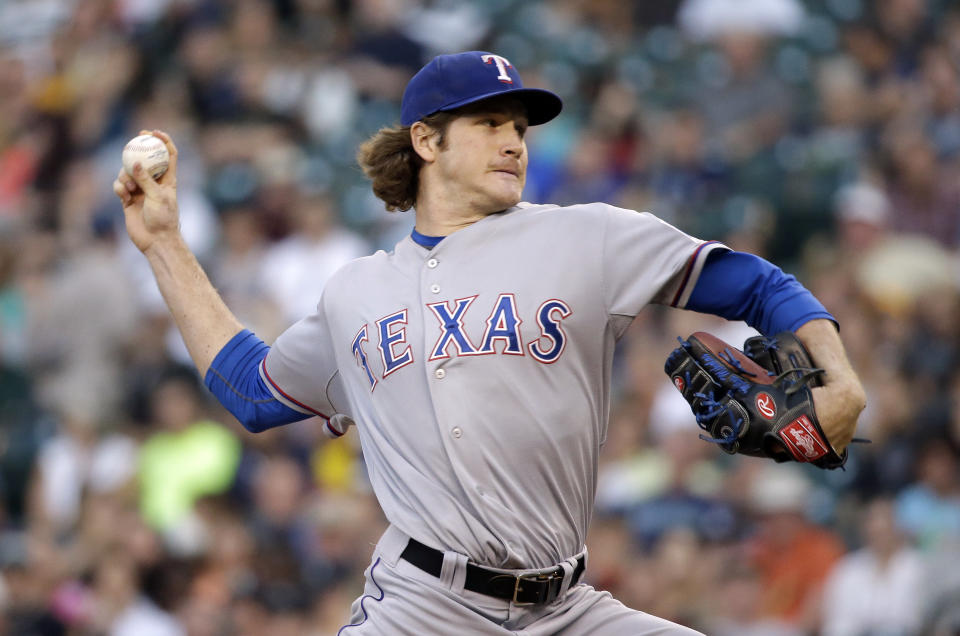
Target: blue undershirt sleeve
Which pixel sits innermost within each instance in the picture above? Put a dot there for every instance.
(234, 378)
(741, 286)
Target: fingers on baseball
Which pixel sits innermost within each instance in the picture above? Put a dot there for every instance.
(121, 191)
(125, 187)
(143, 179)
(170, 176)
(127, 181)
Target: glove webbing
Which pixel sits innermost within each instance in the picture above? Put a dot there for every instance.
(715, 408)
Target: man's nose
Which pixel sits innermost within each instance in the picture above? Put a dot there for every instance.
(513, 146)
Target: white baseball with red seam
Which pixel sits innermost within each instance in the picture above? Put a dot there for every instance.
(150, 151)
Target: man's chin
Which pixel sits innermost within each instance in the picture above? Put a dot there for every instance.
(500, 207)
(497, 199)
(506, 200)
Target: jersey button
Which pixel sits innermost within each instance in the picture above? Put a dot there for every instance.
(456, 432)
(432, 263)
(435, 288)
(440, 374)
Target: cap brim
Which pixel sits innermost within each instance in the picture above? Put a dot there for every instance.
(541, 105)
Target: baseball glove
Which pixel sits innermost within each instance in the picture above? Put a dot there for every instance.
(757, 401)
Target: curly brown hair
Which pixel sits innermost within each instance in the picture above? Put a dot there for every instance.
(390, 162)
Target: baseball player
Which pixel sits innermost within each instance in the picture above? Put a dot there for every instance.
(475, 358)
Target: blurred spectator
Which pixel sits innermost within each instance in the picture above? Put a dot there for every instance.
(863, 216)
(929, 510)
(793, 556)
(343, 526)
(746, 105)
(879, 589)
(280, 521)
(211, 74)
(941, 82)
(684, 495)
(187, 458)
(81, 317)
(237, 271)
(680, 571)
(383, 56)
(81, 459)
(734, 610)
(25, 605)
(897, 274)
(907, 24)
(610, 546)
(120, 609)
(885, 465)
(707, 19)
(588, 174)
(925, 194)
(841, 139)
(684, 176)
(296, 268)
(22, 432)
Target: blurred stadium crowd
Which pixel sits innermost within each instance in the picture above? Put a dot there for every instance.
(823, 135)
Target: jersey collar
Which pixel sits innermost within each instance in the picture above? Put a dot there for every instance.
(423, 240)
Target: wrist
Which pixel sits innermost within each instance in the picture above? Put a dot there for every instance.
(170, 258)
(847, 388)
(838, 406)
(164, 244)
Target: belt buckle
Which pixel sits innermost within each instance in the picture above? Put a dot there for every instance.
(544, 577)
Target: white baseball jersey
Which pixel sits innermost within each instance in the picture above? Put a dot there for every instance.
(478, 372)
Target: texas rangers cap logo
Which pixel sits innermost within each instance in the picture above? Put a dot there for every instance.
(679, 383)
(766, 406)
(502, 65)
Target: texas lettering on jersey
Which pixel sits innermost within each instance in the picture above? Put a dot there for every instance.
(502, 326)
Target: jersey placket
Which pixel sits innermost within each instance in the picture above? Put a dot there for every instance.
(431, 293)
(445, 301)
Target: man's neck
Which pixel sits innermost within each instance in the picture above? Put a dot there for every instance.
(444, 220)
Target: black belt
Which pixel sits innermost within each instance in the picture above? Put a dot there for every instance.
(536, 588)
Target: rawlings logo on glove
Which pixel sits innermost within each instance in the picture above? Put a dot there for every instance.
(754, 402)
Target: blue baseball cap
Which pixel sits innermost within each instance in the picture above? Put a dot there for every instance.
(450, 81)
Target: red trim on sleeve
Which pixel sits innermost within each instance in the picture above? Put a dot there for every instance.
(266, 374)
(688, 271)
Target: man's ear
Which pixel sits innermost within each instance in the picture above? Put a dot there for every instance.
(425, 141)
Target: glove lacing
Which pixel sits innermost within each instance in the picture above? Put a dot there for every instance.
(716, 410)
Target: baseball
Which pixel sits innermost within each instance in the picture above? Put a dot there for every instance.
(150, 151)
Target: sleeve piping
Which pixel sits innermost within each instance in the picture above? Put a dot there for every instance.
(692, 272)
(235, 391)
(332, 429)
(291, 402)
